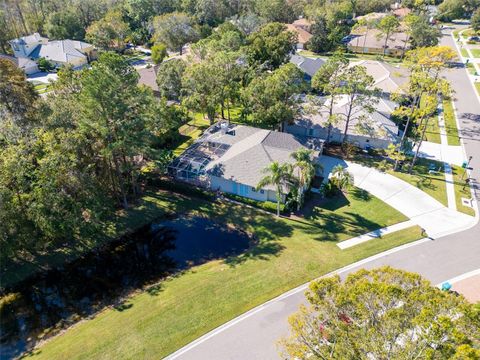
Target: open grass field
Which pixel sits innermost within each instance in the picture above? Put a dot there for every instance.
(450, 123)
(289, 252)
(462, 190)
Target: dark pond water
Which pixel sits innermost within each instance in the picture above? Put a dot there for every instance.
(59, 297)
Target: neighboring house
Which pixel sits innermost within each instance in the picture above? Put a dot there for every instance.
(301, 27)
(148, 77)
(28, 66)
(388, 78)
(309, 66)
(231, 158)
(401, 12)
(372, 42)
(371, 17)
(59, 52)
(366, 130)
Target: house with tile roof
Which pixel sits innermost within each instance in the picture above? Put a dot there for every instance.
(301, 27)
(366, 129)
(231, 158)
(388, 79)
(59, 52)
(373, 42)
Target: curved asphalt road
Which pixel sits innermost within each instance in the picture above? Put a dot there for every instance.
(255, 334)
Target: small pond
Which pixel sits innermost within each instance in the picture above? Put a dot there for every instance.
(59, 297)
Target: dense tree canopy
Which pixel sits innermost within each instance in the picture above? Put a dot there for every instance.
(61, 177)
(174, 30)
(383, 314)
(271, 46)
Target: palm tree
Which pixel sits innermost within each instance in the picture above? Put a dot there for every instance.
(278, 175)
(341, 178)
(306, 170)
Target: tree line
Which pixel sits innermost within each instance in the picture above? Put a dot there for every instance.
(70, 160)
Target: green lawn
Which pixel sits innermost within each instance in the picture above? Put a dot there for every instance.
(450, 123)
(471, 68)
(354, 56)
(288, 253)
(475, 53)
(190, 132)
(477, 86)
(461, 190)
(464, 52)
(42, 88)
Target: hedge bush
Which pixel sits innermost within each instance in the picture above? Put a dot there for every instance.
(264, 205)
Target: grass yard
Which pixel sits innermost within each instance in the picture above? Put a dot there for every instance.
(42, 88)
(461, 190)
(477, 86)
(471, 68)
(464, 52)
(190, 132)
(475, 53)
(354, 56)
(182, 308)
(450, 123)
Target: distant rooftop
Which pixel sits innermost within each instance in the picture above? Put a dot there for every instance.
(308, 65)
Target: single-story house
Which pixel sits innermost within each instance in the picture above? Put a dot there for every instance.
(309, 66)
(372, 42)
(148, 77)
(59, 52)
(28, 66)
(371, 17)
(401, 12)
(301, 27)
(231, 158)
(366, 130)
(388, 78)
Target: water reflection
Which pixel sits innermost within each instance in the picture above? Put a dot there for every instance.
(62, 296)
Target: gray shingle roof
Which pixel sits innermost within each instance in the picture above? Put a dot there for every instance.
(60, 50)
(251, 151)
(309, 66)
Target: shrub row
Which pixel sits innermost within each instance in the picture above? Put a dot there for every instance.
(264, 205)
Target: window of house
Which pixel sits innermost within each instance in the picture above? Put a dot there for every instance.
(262, 191)
(253, 189)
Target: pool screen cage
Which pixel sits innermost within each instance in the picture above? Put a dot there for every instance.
(190, 165)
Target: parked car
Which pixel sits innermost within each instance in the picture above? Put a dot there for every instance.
(474, 38)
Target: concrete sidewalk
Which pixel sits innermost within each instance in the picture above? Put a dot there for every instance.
(421, 208)
(375, 234)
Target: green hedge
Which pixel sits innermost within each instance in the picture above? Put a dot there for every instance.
(264, 205)
(183, 188)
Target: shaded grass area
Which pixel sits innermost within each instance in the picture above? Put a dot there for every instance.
(450, 123)
(42, 88)
(462, 190)
(289, 252)
(190, 132)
